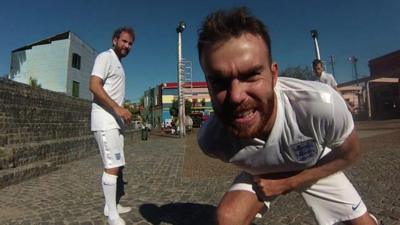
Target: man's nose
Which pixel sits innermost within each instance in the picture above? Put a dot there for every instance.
(237, 93)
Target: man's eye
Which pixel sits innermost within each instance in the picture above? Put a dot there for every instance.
(249, 78)
(218, 83)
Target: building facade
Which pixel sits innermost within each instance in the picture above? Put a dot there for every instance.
(61, 63)
(377, 96)
(160, 99)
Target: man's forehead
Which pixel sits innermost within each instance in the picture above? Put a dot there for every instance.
(239, 61)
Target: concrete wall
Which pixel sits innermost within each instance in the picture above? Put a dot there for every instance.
(40, 130)
(88, 55)
(51, 65)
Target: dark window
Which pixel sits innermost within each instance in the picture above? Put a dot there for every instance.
(75, 88)
(76, 61)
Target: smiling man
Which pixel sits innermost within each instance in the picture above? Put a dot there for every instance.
(286, 134)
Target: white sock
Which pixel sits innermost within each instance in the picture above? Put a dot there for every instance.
(109, 184)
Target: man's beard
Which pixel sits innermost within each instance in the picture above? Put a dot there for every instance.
(121, 52)
(245, 131)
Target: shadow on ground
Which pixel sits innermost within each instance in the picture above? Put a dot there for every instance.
(179, 214)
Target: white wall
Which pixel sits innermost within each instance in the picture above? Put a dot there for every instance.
(88, 55)
(46, 63)
(51, 65)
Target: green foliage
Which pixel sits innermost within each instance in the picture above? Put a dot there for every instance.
(130, 106)
(174, 110)
(141, 100)
(127, 105)
(188, 107)
(34, 83)
(203, 102)
(297, 72)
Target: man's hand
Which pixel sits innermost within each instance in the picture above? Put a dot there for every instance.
(124, 114)
(96, 87)
(274, 185)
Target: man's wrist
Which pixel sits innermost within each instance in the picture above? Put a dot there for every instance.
(292, 183)
(115, 108)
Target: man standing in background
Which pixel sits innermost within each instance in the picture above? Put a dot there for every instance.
(322, 76)
(107, 83)
(327, 78)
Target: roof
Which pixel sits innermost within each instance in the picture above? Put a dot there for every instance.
(395, 54)
(61, 36)
(377, 79)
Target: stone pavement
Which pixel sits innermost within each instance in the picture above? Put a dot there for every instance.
(172, 182)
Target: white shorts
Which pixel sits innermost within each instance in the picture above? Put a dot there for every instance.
(332, 199)
(111, 146)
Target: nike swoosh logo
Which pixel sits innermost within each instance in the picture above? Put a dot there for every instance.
(355, 207)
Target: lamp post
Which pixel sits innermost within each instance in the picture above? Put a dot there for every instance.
(314, 35)
(181, 102)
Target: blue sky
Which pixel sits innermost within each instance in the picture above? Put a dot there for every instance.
(363, 28)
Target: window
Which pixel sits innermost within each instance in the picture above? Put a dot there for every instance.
(76, 61)
(75, 88)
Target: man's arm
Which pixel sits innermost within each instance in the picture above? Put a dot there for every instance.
(349, 107)
(338, 159)
(96, 87)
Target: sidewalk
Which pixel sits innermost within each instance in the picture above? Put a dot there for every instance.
(172, 182)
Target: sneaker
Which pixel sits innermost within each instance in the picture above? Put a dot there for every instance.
(116, 221)
(121, 209)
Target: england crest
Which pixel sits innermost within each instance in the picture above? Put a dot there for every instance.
(304, 152)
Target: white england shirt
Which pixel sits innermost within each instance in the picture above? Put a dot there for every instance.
(311, 120)
(326, 78)
(108, 67)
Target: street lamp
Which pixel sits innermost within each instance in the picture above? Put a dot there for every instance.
(181, 102)
(353, 60)
(181, 27)
(314, 35)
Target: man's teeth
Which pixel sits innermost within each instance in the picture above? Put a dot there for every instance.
(244, 114)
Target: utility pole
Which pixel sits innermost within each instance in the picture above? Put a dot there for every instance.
(332, 62)
(181, 101)
(353, 60)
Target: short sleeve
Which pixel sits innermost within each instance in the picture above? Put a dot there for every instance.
(101, 66)
(341, 122)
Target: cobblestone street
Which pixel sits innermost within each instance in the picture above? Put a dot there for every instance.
(171, 182)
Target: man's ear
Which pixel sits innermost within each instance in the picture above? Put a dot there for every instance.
(274, 72)
(114, 41)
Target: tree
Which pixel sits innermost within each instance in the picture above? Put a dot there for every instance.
(188, 107)
(141, 101)
(34, 83)
(128, 105)
(174, 110)
(297, 72)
